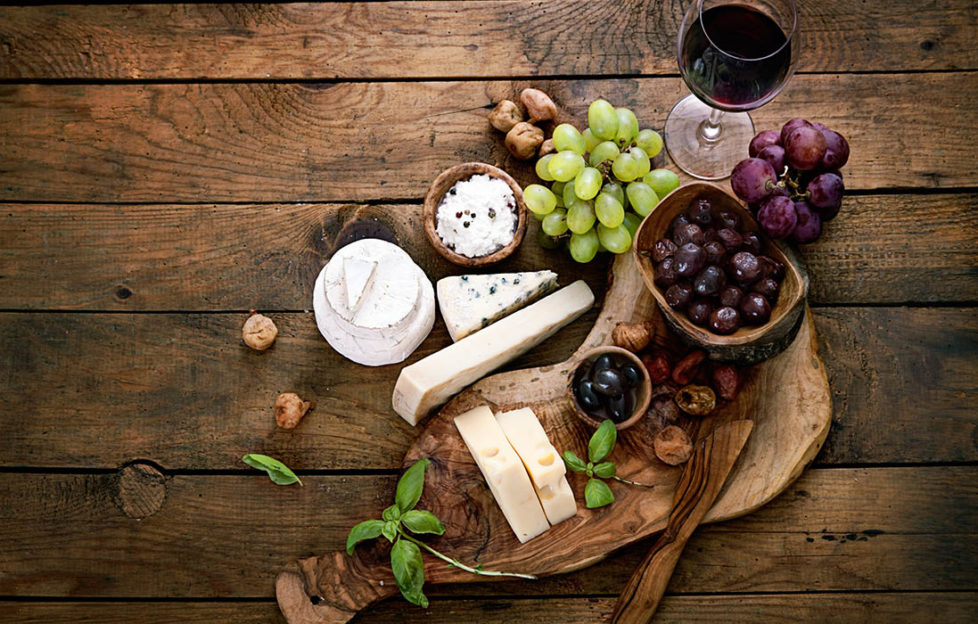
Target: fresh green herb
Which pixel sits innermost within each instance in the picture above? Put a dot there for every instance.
(279, 473)
(602, 443)
(397, 523)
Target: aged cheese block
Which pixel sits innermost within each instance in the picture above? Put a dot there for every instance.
(470, 302)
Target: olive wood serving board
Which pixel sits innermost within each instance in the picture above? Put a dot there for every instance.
(787, 397)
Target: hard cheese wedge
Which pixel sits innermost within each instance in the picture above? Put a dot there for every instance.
(431, 381)
(542, 462)
(504, 472)
(469, 303)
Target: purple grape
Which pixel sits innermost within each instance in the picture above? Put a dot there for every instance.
(777, 216)
(731, 296)
(762, 140)
(804, 148)
(825, 194)
(836, 150)
(709, 281)
(818, 126)
(744, 267)
(752, 179)
(774, 154)
(809, 224)
(690, 258)
(755, 309)
(679, 295)
(786, 129)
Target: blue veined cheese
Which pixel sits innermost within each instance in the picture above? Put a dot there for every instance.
(469, 303)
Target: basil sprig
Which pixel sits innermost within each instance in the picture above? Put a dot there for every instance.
(279, 473)
(599, 447)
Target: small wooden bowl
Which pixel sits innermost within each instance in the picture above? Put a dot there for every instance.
(643, 394)
(442, 184)
(748, 344)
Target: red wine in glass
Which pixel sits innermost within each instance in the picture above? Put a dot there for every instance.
(734, 57)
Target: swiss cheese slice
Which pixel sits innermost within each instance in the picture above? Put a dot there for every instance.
(504, 472)
(429, 382)
(558, 501)
(469, 303)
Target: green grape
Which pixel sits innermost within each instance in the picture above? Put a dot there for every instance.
(632, 221)
(565, 166)
(539, 199)
(642, 198)
(625, 167)
(609, 210)
(580, 216)
(583, 247)
(547, 242)
(587, 183)
(555, 223)
(662, 181)
(616, 240)
(650, 141)
(602, 120)
(607, 150)
(615, 190)
(642, 158)
(627, 126)
(560, 200)
(557, 188)
(568, 195)
(590, 141)
(541, 168)
(568, 139)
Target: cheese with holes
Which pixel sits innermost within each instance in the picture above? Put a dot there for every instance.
(469, 303)
(504, 472)
(373, 304)
(429, 382)
(542, 461)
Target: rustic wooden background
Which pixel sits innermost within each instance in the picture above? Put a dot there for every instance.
(166, 167)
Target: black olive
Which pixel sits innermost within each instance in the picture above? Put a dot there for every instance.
(586, 395)
(631, 375)
(603, 361)
(608, 382)
(619, 408)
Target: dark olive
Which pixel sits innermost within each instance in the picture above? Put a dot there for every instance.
(587, 397)
(608, 382)
(679, 295)
(709, 281)
(631, 375)
(768, 287)
(725, 320)
(771, 267)
(715, 252)
(689, 233)
(755, 308)
(665, 272)
(699, 312)
(731, 239)
(727, 219)
(752, 243)
(701, 212)
(744, 267)
(731, 296)
(662, 249)
(618, 408)
(680, 220)
(689, 259)
(603, 361)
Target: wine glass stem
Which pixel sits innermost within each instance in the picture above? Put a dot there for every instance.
(710, 129)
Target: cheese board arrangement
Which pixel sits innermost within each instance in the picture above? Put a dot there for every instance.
(698, 394)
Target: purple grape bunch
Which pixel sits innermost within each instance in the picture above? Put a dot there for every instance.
(792, 180)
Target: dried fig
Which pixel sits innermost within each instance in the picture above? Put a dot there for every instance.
(289, 410)
(687, 367)
(727, 381)
(547, 147)
(259, 332)
(672, 445)
(539, 105)
(632, 336)
(696, 400)
(523, 140)
(658, 366)
(506, 115)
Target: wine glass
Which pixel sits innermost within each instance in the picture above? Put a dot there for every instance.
(734, 56)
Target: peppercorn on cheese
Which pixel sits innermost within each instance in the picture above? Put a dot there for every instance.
(504, 472)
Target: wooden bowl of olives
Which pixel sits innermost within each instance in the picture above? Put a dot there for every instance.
(721, 283)
(609, 383)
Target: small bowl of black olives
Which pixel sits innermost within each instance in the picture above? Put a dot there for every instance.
(610, 383)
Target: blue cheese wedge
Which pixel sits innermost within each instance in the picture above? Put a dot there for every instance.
(469, 303)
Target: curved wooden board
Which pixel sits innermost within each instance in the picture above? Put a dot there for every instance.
(787, 397)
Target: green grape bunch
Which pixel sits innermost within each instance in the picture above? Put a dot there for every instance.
(601, 183)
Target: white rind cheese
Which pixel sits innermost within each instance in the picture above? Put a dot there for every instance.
(433, 380)
(504, 472)
(373, 304)
(469, 303)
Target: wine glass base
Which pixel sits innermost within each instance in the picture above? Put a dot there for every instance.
(706, 158)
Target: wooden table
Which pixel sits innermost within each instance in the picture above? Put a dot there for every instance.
(165, 168)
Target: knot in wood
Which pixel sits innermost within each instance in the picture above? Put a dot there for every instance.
(140, 490)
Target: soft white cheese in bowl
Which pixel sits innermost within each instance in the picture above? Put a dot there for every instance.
(477, 216)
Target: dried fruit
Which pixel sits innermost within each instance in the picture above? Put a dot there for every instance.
(547, 147)
(696, 400)
(658, 366)
(632, 336)
(506, 115)
(672, 445)
(289, 410)
(523, 139)
(687, 367)
(539, 105)
(259, 332)
(664, 411)
(726, 381)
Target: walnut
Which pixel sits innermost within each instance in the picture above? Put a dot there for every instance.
(696, 400)
(289, 410)
(632, 336)
(672, 445)
(506, 115)
(547, 147)
(523, 139)
(539, 105)
(259, 331)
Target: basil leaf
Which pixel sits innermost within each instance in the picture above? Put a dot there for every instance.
(279, 473)
(419, 521)
(597, 494)
(408, 568)
(392, 513)
(573, 462)
(390, 530)
(605, 470)
(602, 442)
(368, 529)
(410, 485)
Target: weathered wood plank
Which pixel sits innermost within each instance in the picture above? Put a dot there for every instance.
(184, 391)
(360, 141)
(413, 39)
(883, 249)
(228, 536)
(850, 608)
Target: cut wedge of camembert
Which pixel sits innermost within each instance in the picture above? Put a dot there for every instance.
(470, 302)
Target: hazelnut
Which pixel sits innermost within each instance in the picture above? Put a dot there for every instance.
(696, 400)
(538, 104)
(289, 410)
(259, 331)
(547, 147)
(523, 139)
(632, 336)
(672, 445)
(506, 115)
